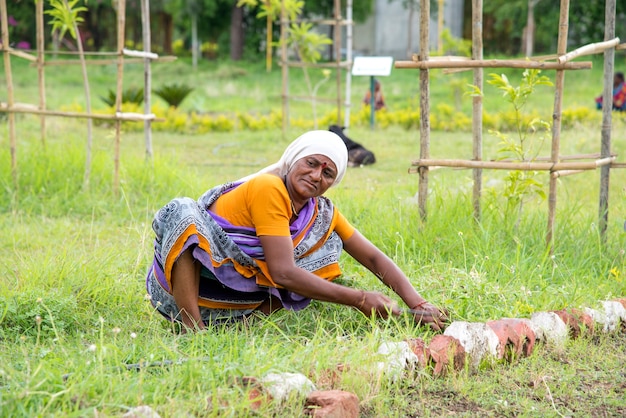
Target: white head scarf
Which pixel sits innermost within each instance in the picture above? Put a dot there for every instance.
(313, 142)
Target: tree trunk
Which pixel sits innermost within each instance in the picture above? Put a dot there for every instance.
(136, 28)
(409, 44)
(528, 39)
(167, 24)
(91, 21)
(331, 46)
(194, 40)
(236, 33)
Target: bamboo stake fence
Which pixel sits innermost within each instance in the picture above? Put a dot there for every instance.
(424, 105)
(40, 70)
(11, 107)
(493, 63)
(477, 106)
(147, 76)
(121, 23)
(556, 119)
(556, 165)
(337, 22)
(4, 26)
(607, 97)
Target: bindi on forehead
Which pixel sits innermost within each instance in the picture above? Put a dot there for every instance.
(325, 164)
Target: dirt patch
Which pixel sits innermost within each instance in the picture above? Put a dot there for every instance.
(447, 402)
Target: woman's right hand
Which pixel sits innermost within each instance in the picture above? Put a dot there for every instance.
(376, 303)
(425, 313)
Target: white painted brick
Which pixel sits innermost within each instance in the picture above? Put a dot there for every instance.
(549, 328)
(398, 357)
(477, 339)
(282, 385)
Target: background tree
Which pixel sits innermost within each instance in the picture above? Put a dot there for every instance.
(361, 10)
(503, 30)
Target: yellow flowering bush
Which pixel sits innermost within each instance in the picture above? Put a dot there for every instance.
(443, 117)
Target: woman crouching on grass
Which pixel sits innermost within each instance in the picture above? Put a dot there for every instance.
(270, 241)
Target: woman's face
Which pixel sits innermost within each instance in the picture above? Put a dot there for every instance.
(311, 176)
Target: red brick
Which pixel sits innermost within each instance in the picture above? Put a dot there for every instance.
(332, 404)
(257, 396)
(574, 318)
(447, 353)
(514, 333)
(419, 347)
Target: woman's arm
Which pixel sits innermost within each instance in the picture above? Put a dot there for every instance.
(367, 254)
(185, 287)
(279, 257)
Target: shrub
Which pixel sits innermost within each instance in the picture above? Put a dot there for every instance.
(179, 49)
(173, 94)
(130, 95)
(209, 50)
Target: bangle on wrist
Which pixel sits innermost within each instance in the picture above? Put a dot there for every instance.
(420, 305)
(362, 302)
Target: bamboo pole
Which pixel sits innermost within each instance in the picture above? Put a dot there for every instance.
(316, 98)
(268, 37)
(343, 64)
(347, 103)
(86, 53)
(588, 50)
(494, 63)
(40, 69)
(477, 104)
(4, 26)
(147, 73)
(32, 109)
(564, 173)
(284, 65)
(21, 54)
(414, 169)
(440, 26)
(107, 61)
(83, 66)
(337, 42)
(515, 165)
(139, 54)
(607, 97)
(556, 120)
(424, 107)
(121, 23)
(446, 58)
(593, 156)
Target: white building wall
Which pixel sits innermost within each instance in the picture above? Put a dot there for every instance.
(386, 32)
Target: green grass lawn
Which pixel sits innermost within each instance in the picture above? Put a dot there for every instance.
(72, 305)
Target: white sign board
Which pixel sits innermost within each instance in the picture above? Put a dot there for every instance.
(372, 66)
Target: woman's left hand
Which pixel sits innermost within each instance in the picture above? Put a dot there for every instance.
(426, 313)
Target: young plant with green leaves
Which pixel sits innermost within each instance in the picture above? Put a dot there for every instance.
(300, 38)
(65, 18)
(524, 144)
(271, 10)
(307, 46)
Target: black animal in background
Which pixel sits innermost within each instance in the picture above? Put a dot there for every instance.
(358, 155)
